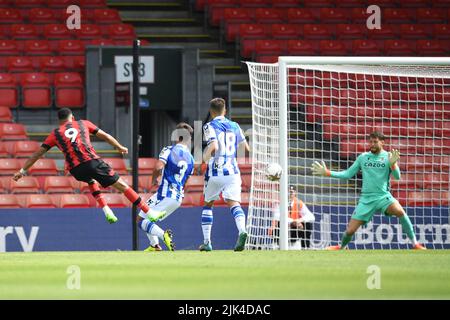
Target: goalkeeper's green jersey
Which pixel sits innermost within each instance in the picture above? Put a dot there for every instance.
(376, 172)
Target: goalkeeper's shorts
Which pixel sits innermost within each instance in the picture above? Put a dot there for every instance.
(367, 208)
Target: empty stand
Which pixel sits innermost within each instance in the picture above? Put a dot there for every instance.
(39, 201)
(69, 90)
(24, 149)
(117, 164)
(36, 91)
(146, 165)
(58, 184)
(12, 131)
(44, 167)
(5, 114)
(116, 200)
(195, 184)
(73, 201)
(9, 201)
(24, 185)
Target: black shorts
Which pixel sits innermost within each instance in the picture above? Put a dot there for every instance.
(95, 169)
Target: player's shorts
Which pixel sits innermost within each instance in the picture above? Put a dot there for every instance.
(165, 204)
(229, 186)
(95, 169)
(367, 208)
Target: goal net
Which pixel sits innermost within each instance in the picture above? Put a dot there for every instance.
(321, 108)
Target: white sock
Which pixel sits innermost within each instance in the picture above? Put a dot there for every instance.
(207, 221)
(152, 230)
(239, 218)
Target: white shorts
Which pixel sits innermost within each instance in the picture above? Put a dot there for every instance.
(165, 204)
(229, 186)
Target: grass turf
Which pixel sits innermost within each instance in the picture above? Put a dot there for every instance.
(226, 275)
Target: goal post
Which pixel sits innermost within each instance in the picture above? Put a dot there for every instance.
(323, 108)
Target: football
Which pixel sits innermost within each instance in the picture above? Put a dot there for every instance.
(274, 171)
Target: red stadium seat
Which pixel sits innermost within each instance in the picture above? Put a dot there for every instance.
(9, 201)
(350, 31)
(52, 64)
(408, 181)
(24, 148)
(144, 183)
(441, 3)
(348, 148)
(430, 15)
(415, 31)
(121, 31)
(317, 31)
(37, 47)
(118, 164)
(29, 3)
(332, 48)
(442, 199)
(300, 15)
(107, 16)
(286, 3)
(71, 47)
(74, 201)
(399, 48)
(24, 185)
(89, 31)
(301, 47)
(100, 42)
(9, 166)
(5, 114)
(24, 31)
(251, 31)
(93, 3)
(386, 32)
(437, 181)
(267, 59)
(365, 47)
(415, 3)
(348, 3)
(58, 184)
(269, 47)
(43, 16)
(36, 92)
(193, 199)
(334, 15)
(269, 15)
(245, 199)
(12, 131)
(245, 165)
(237, 15)
(56, 32)
(69, 90)
(398, 15)
(10, 15)
(9, 94)
(116, 200)
(418, 163)
(431, 48)
(255, 3)
(45, 167)
(419, 199)
(19, 64)
(286, 31)
(59, 3)
(5, 3)
(195, 184)
(441, 31)
(8, 48)
(39, 201)
(246, 182)
(359, 15)
(146, 165)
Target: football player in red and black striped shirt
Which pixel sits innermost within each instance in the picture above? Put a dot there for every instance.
(72, 137)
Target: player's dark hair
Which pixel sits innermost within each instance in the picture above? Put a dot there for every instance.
(64, 113)
(183, 126)
(217, 105)
(377, 134)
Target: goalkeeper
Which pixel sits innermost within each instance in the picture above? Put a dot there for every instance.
(376, 166)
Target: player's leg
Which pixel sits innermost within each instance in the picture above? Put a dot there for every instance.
(87, 172)
(211, 192)
(154, 241)
(396, 209)
(135, 199)
(98, 196)
(232, 196)
(306, 234)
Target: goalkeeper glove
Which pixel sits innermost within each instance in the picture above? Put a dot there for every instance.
(320, 169)
(394, 155)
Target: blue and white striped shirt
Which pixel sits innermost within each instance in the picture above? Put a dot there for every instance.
(179, 166)
(228, 135)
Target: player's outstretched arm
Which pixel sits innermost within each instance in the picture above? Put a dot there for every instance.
(29, 163)
(111, 140)
(394, 156)
(321, 169)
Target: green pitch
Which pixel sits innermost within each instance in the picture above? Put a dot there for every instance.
(225, 275)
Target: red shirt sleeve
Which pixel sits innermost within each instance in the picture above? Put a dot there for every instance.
(49, 142)
(91, 127)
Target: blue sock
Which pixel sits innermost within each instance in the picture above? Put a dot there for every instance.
(239, 218)
(207, 221)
